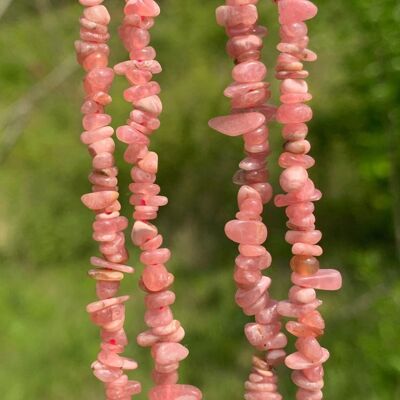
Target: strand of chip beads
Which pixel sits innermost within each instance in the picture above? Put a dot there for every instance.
(108, 228)
(300, 194)
(165, 332)
(249, 116)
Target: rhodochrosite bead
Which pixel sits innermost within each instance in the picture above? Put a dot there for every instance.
(301, 193)
(109, 311)
(249, 117)
(165, 332)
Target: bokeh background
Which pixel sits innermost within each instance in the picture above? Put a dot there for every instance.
(47, 341)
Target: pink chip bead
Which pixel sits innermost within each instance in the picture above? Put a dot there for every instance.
(168, 353)
(293, 86)
(293, 113)
(250, 71)
(98, 14)
(156, 278)
(99, 200)
(324, 279)
(158, 256)
(237, 124)
(240, 15)
(175, 392)
(293, 178)
(298, 361)
(291, 11)
(246, 232)
(144, 8)
(142, 232)
(309, 347)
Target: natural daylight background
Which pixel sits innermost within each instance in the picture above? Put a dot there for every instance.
(47, 340)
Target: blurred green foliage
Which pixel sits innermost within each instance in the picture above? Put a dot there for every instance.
(45, 240)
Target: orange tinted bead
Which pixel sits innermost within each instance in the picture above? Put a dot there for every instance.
(304, 265)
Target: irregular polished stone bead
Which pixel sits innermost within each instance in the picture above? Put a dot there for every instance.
(158, 317)
(302, 295)
(291, 11)
(279, 341)
(310, 348)
(140, 176)
(293, 86)
(298, 361)
(265, 190)
(146, 53)
(92, 136)
(268, 314)
(151, 104)
(135, 93)
(257, 334)
(246, 277)
(99, 200)
(261, 262)
(113, 360)
(103, 274)
(240, 89)
(300, 380)
(168, 353)
(300, 210)
(98, 80)
(303, 394)
(314, 374)
(158, 256)
(237, 124)
(311, 237)
(149, 163)
(238, 45)
(301, 330)
(134, 152)
(324, 279)
(152, 244)
(246, 232)
(292, 310)
(231, 15)
(304, 265)
(144, 8)
(175, 392)
(293, 30)
(99, 262)
(245, 298)
(94, 121)
(103, 160)
(293, 113)
(275, 357)
(293, 178)
(252, 98)
(305, 249)
(94, 60)
(247, 193)
(107, 289)
(105, 374)
(129, 135)
(98, 14)
(102, 146)
(258, 306)
(249, 250)
(287, 160)
(250, 71)
(313, 319)
(160, 299)
(155, 278)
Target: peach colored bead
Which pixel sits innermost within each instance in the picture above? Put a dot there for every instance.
(304, 265)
